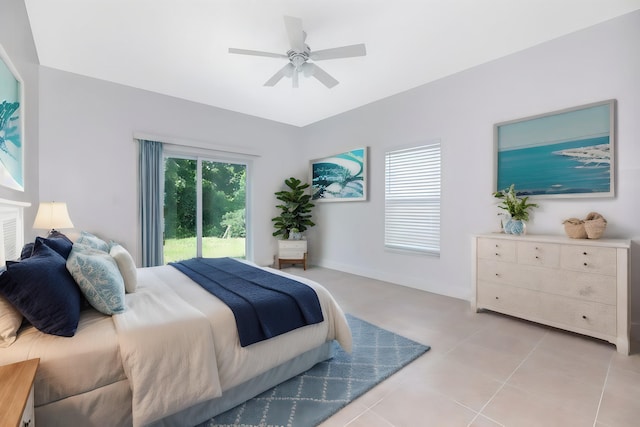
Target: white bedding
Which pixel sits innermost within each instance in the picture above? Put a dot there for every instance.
(171, 358)
(166, 347)
(70, 366)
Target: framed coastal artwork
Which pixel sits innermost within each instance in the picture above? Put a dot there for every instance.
(341, 177)
(11, 123)
(567, 153)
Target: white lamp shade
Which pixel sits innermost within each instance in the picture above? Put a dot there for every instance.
(52, 215)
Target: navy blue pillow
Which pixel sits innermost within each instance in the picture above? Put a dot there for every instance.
(26, 251)
(41, 288)
(61, 245)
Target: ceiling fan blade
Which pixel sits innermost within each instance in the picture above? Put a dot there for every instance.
(317, 72)
(339, 52)
(295, 33)
(256, 53)
(285, 71)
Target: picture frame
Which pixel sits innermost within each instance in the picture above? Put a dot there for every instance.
(11, 125)
(561, 154)
(341, 177)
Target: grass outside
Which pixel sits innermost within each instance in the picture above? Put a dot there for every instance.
(212, 247)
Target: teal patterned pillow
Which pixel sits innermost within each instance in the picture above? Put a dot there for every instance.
(89, 239)
(98, 277)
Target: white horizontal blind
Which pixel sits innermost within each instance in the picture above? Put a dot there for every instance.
(412, 198)
(11, 232)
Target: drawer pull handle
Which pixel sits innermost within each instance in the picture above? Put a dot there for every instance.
(584, 253)
(497, 297)
(584, 317)
(497, 274)
(537, 257)
(585, 264)
(497, 254)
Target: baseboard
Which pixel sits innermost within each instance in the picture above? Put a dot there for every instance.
(395, 278)
(635, 331)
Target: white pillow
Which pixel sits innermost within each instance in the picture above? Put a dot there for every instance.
(126, 265)
(10, 321)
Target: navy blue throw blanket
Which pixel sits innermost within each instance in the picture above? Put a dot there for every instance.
(264, 304)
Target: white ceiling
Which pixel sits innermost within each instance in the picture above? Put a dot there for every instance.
(180, 47)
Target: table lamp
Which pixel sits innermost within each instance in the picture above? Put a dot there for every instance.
(52, 215)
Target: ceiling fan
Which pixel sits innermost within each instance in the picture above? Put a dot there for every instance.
(300, 54)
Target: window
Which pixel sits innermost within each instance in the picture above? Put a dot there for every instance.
(11, 230)
(204, 208)
(412, 199)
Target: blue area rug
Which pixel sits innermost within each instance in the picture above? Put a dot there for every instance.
(313, 396)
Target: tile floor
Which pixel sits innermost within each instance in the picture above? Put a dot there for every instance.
(483, 369)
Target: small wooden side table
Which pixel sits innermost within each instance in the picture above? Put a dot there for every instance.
(16, 393)
(292, 252)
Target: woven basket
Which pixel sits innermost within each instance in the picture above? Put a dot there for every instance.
(594, 225)
(574, 228)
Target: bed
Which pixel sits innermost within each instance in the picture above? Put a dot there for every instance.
(172, 357)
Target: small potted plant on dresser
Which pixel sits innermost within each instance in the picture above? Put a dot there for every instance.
(294, 219)
(517, 208)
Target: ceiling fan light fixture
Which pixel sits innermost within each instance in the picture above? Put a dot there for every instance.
(300, 53)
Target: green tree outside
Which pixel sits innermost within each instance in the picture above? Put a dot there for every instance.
(223, 208)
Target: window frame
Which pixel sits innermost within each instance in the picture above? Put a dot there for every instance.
(201, 155)
(400, 190)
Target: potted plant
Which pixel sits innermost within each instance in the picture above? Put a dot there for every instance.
(295, 216)
(517, 208)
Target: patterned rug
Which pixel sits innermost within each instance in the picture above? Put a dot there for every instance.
(313, 396)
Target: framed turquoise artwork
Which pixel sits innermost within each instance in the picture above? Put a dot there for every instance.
(11, 126)
(566, 153)
(341, 177)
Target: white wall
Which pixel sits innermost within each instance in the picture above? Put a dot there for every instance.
(17, 41)
(88, 157)
(592, 65)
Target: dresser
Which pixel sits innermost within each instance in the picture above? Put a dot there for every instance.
(292, 252)
(579, 285)
(16, 393)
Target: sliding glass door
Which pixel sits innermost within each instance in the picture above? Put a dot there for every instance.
(204, 209)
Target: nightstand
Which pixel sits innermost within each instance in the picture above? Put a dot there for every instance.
(16, 393)
(292, 252)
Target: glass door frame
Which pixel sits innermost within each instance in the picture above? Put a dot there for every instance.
(204, 156)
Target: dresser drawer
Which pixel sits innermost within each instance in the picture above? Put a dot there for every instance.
(553, 310)
(590, 316)
(536, 253)
(28, 416)
(589, 259)
(292, 249)
(497, 249)
(575, 284)
(506, 299)
(293, 244)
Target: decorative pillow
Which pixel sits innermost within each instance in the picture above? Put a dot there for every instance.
(41, 288)
(10, 321)
(26, 251)
(55, 234)
(59, 244)
(90, 240)
(97, 274)
(126, 265)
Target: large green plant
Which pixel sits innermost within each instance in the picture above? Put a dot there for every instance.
(516, 206)
(296, 209)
